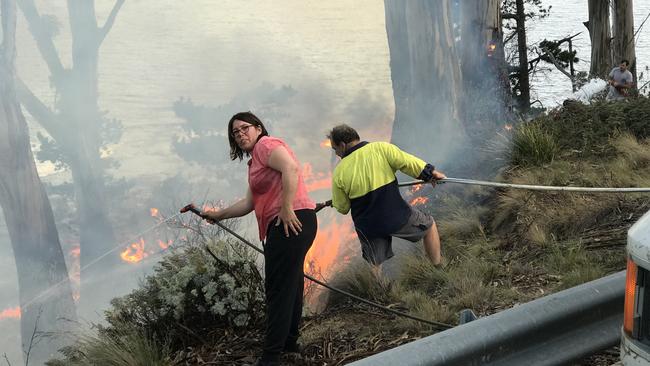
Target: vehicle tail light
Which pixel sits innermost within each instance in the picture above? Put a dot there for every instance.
(630, 292)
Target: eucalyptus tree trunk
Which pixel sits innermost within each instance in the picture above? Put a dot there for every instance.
(623, 33)
(600, 35)
(486, 91)
(75, 124)
(44, 289)
(426, 77)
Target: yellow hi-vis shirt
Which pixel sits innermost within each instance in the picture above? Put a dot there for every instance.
(365, 182)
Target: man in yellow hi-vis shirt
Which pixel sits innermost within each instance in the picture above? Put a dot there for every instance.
(365, 182)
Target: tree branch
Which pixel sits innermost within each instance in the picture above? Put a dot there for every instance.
(562, 70)
(110, 21)
(42, 37)
(7, 359)
(510, 37)
(31, 341)
(639, 29)
(44, 115)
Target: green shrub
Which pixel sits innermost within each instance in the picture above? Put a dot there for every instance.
(361, 279)
(532, 146)
(190, 293)
(118, 349)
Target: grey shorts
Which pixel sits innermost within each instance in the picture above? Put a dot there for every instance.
(379, 249)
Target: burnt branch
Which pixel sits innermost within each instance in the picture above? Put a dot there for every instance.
(42, 36)
(45, 116)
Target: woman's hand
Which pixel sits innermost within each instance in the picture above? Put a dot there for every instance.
(290, 221)
(212, 216)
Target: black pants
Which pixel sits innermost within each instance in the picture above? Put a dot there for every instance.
(284, 282)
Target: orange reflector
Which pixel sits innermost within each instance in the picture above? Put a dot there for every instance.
(630, 291)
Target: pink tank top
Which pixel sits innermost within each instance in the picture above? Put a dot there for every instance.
(266, 184)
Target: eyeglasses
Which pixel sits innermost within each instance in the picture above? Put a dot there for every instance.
(243, 130)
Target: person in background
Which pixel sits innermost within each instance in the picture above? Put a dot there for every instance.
(286, 220)
(364, 181)
(620, 81)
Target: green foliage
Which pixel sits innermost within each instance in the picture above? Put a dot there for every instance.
(532, 146)
(116, 349)
(418, 273)
(189, 295)
(586, 131)
(562, 57)
(190, 292)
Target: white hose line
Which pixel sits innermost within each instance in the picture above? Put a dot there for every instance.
(532, 187)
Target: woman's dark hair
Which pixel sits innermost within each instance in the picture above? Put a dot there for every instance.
(343, 133)
(235, 151)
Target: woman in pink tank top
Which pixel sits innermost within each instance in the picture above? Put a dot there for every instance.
(286, 220)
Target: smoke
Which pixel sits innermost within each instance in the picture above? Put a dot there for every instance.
(146, 84)
(174, 99)
(587, 92)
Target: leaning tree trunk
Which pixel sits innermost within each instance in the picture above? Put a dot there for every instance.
(76, 129)
(486, 88)
(623, 33)
(426, 77)
(600, 35)
(44, 288)
(524, 81)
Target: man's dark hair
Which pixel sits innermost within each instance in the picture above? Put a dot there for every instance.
(626, 62)
(343, 134)
(235, 151)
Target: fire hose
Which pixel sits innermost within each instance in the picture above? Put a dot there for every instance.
(329, 203)
(438, 325)
(531, 187)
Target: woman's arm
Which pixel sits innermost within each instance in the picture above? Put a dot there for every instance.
(281, 160)
(240, 208)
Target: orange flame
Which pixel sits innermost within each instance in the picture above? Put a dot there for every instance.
(11, 313)
(326, 250)
(154, 212)
(416, 188)
(316, 181)
(134, 253)
(326, 143)
(75, 252)
(164, 245)
(419, 201)
(507, 127)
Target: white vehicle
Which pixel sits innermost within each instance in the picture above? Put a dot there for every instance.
(635, 341)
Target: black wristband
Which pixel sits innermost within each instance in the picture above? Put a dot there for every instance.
(427, 173)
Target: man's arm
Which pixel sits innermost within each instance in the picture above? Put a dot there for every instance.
(411, 165)
(611, 77)
(402, 161)
(340, 200)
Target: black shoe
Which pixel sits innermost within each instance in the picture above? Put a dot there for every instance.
(292, 348)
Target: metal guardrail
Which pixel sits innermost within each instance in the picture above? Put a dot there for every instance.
(552, 330)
